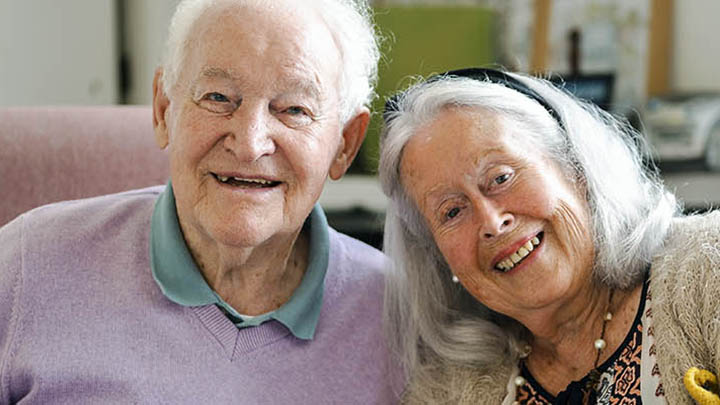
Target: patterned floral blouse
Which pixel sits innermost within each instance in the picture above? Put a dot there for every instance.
(621, 375)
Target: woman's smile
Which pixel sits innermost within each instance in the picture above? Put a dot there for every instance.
(514, 257)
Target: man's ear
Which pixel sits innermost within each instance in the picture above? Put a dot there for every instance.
(161, 102)
(352, 137)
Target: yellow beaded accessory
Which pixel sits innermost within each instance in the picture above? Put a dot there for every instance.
(702, 386)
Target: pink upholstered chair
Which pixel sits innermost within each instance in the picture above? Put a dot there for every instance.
(50, 154)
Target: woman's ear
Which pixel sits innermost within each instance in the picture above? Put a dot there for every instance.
(161, 102)
(352, 137)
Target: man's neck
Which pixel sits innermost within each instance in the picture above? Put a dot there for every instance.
(256, 280)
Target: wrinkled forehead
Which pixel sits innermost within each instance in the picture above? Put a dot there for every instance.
(279, 35)
(458, 126)
(483, 126)
(468, 134)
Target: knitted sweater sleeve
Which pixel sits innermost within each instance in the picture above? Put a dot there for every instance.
(10, 284)
(458, 385)
(708, 293)
(686, 302)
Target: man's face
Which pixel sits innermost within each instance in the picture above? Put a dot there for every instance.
(253, 123)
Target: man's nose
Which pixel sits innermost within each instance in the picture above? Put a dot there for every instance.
(250, 136)
(494, 219)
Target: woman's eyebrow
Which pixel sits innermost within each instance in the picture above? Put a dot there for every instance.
(435, 196)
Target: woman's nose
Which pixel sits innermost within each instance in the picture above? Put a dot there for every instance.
(494, 219)
(249, 135)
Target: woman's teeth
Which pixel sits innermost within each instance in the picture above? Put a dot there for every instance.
(509, 262)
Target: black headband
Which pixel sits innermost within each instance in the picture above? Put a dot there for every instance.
(484, 75)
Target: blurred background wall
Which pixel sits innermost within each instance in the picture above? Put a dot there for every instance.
(59, 52)
(104, 51)
(99, 52)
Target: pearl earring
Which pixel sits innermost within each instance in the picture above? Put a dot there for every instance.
(455, 279)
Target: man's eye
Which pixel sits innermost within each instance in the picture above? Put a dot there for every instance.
(217, 97)
(293, 116)
(217, 103)
(501, 178)
(295, 110)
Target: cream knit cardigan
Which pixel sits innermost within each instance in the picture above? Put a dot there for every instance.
(685, 288)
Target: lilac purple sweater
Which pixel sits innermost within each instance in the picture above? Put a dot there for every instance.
(83, 321)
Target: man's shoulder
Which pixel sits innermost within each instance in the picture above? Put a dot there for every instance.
(354, 268)
(90, 220)
(91, 245)
(87, 211)
(349, 252)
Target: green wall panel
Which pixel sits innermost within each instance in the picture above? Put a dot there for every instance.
(423, 41)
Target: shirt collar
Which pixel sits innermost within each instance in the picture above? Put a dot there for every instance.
(180, 280)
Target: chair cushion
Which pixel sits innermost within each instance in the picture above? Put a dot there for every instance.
(50, 154)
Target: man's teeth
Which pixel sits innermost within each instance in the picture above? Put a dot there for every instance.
(515, 258)
(225, 179)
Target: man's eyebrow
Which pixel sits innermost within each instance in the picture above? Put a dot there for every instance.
(292, 84)
(302, 86)
(213, 72)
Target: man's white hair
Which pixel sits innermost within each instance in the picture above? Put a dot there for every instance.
(349, 21)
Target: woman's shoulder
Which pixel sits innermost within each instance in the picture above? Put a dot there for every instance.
(697, 225)
(692, 242)
(459, 385)
(684, 286)
(685, 275)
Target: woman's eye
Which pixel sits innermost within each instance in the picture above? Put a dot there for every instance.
(452, 213)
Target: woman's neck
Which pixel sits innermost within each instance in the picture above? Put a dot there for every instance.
(562, 349)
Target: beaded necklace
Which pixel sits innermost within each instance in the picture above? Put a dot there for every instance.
(600, 344)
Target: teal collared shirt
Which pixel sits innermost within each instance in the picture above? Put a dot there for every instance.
(180, 280)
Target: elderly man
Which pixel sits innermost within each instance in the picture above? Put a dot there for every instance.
(226, 286)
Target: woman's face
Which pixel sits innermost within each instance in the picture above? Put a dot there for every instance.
(512, 227)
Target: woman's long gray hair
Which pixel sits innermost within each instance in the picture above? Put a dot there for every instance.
(433, 321)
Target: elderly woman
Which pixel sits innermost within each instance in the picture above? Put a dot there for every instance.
(535, 258)
(227, 285)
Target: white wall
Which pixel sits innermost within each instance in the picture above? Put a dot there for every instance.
(58, 52)
(696, 47)
(145, 35)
